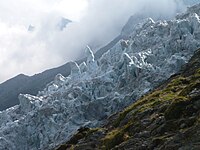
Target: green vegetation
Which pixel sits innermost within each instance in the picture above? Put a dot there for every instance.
(82, 133)
(166, 118)
(112, 138)
(174, 98)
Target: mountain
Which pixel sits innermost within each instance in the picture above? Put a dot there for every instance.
(166, 118)
(9, 90)
(63, 23)
(33, 84)
(98, 88)
(60, 25)
(31, 28)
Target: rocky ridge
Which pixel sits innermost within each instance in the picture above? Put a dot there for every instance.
(95, 89)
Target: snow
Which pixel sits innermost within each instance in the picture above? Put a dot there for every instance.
(97, 88)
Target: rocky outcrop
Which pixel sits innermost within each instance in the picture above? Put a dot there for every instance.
(98, 88)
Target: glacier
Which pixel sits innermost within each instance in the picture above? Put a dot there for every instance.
(95, 89)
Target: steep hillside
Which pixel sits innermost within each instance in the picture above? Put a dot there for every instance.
(97, 88)
(10, 89)
(166, 118)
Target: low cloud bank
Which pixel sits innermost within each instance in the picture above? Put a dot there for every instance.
(94, 23)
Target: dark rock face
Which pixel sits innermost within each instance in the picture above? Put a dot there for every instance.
(166, 118)
(10, 89)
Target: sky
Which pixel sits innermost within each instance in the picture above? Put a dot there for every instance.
(95, 23)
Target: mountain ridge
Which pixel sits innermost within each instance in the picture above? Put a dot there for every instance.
(95, 89)
(10, 98)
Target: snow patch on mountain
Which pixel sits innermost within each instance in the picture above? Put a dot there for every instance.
(97, 88)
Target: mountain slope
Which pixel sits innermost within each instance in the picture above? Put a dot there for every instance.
(95, 89)
(166, 118)
(9, 90)
(33, 84)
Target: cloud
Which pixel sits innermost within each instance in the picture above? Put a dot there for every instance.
(95, 23)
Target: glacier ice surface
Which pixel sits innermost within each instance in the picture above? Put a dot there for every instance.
(97, 88)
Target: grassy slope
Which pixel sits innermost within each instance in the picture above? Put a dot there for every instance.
(167, 118)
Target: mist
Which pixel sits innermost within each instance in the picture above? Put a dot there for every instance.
(94, 23)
